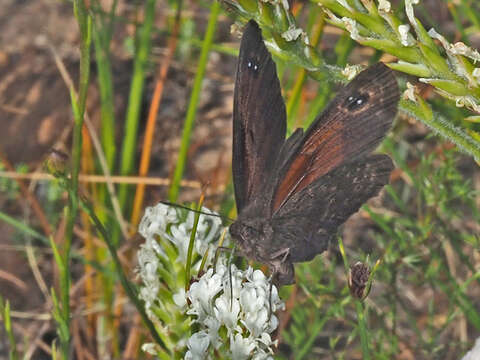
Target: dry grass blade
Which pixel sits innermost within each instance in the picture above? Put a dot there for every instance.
(152, 116)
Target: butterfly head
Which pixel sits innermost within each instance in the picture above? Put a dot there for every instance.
(255, 240)
(245, 236)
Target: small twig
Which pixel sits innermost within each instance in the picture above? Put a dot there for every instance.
(91, 178)
(37, 342)
(19, 283)
(32, 261)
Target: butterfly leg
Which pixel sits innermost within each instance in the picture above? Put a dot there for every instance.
(218, 251)
(283, 271)
(282, 252)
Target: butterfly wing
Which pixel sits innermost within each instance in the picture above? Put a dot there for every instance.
(352, 125)
(310, 218)
(259, 117)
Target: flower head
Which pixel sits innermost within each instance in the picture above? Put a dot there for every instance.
(233, 308)
(240, 302)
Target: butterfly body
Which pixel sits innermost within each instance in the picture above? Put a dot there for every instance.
(293, 194)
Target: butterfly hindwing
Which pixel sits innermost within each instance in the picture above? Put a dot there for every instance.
(310, 218)
(259, 117)
(352, 125)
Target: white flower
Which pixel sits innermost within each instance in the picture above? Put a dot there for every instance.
(384, 5)
(202, 292)
(156, 219)
(148, 265)
(236, 300)
(351, 71)
(473, 354)
(262, 355)
(292, 33)
(405, 37)
(233, 281)
(180, 298)
(252, 299)
(227, 311)
(167, 231)
(241, 347)
(467, 101)
(256, 322)
(476, 73)
(151, 348)
(161, 217)
(228, 299)
(410, 92)
(409, 10)
(458, 48)
(213, 325)
(181, 239)
(197, 346)
(352, 28)
(266, 340)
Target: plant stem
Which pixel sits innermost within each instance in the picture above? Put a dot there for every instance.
(78, 106)
(135, 99)
(192, 106)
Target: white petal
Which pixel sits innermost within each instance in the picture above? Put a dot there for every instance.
(240, 347)
(198, 345)
(384, 5)
(226, 311)
(473, 354)
(180, 298)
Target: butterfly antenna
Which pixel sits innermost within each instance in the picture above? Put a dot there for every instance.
(270, 297)
(196, 211)
(217, 251)
(230, 276)
(205, 213)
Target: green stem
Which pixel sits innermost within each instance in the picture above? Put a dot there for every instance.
(135, 99)
(105, 84)
(78, 106)
(444, 128)
(188, 266)
(362, 329)
(7, 321)
(127, 286)
(192, 106)
(20, 225)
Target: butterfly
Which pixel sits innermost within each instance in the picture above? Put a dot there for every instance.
(293, 194)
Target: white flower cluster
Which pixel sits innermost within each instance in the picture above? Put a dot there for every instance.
(237, 305)
(231, 308)
(163, 226)
(166, 221)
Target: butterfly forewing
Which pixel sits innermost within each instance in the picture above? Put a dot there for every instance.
(351, 126)
(259, 117)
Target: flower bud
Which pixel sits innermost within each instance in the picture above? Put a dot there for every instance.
(56, 163)
(358, 279)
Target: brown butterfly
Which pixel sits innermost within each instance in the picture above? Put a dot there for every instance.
(293, 194)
